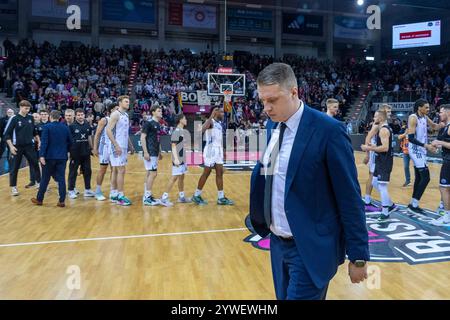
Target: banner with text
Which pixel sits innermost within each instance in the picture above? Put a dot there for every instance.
(303, 24)
(249, 20)
(396, 106)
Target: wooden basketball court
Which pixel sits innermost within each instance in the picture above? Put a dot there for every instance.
(183, 252)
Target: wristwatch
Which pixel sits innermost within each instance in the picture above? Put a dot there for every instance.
(359, 263)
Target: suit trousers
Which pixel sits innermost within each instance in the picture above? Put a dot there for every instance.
(30, 154)
(290, 277)
(57, 170)
(75, 163)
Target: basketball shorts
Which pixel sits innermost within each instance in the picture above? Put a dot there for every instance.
(383, 171)
(419, 159)
(118, 161)
(103, 154)
(444, 178)
(212, 156)
(152, 164)
(180, 170)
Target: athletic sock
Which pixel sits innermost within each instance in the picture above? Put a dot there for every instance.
(148, 194)
(198, 193)
(441, 205)
(114, 193)
(165, 196)
(220, 194)
(120, 194)
(415, 203)
(367, 199)
(98, 189)
(385, 211)
(181, 194)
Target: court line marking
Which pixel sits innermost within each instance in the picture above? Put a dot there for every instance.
(121, 237)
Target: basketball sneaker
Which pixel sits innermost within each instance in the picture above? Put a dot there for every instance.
(442, 221)
(72, 194)
(225, 202)
(371, 208)
(417, 210)
(100, 197)
(14, 191)
(199, 200)
(383, 218)
(89, 194)
(113, 199)
(150, 201)
(123, 201)
(392, 208)
(184, 200)
(166, 202)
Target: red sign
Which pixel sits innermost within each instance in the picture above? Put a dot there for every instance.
(196, 109)
(175, 14)
(415, 35)
(225, 70)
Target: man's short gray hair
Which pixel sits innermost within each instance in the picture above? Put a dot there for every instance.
(277, 74)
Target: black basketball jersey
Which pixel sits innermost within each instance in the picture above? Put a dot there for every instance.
(444, 136)
(389, 155)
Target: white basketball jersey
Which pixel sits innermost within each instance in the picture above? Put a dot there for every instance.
(104, 140)
(214, 135)
(421, 135)
(121, 131)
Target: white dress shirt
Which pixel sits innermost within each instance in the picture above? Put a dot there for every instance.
(280, 225)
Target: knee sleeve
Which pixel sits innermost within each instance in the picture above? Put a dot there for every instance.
(375, 183)
(384, 193)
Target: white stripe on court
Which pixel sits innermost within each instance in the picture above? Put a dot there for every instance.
(120, 237)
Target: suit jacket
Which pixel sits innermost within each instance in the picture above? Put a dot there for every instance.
(323, 202)
(55, 141)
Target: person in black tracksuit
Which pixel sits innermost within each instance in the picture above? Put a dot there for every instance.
(20, 136)
(80, 154)
(39, 124)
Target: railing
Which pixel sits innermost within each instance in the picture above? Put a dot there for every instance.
(399, 96)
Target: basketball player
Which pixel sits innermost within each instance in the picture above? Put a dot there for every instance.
(384, 161)
(418, 123)
(332, 107)
(179, 167)
(101, 149)
(371, 139)
(152, 153)
(118, 133)
(443, 141)
(212, 158)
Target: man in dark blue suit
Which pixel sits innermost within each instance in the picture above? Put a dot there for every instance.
(55, 145)
(305, 193)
